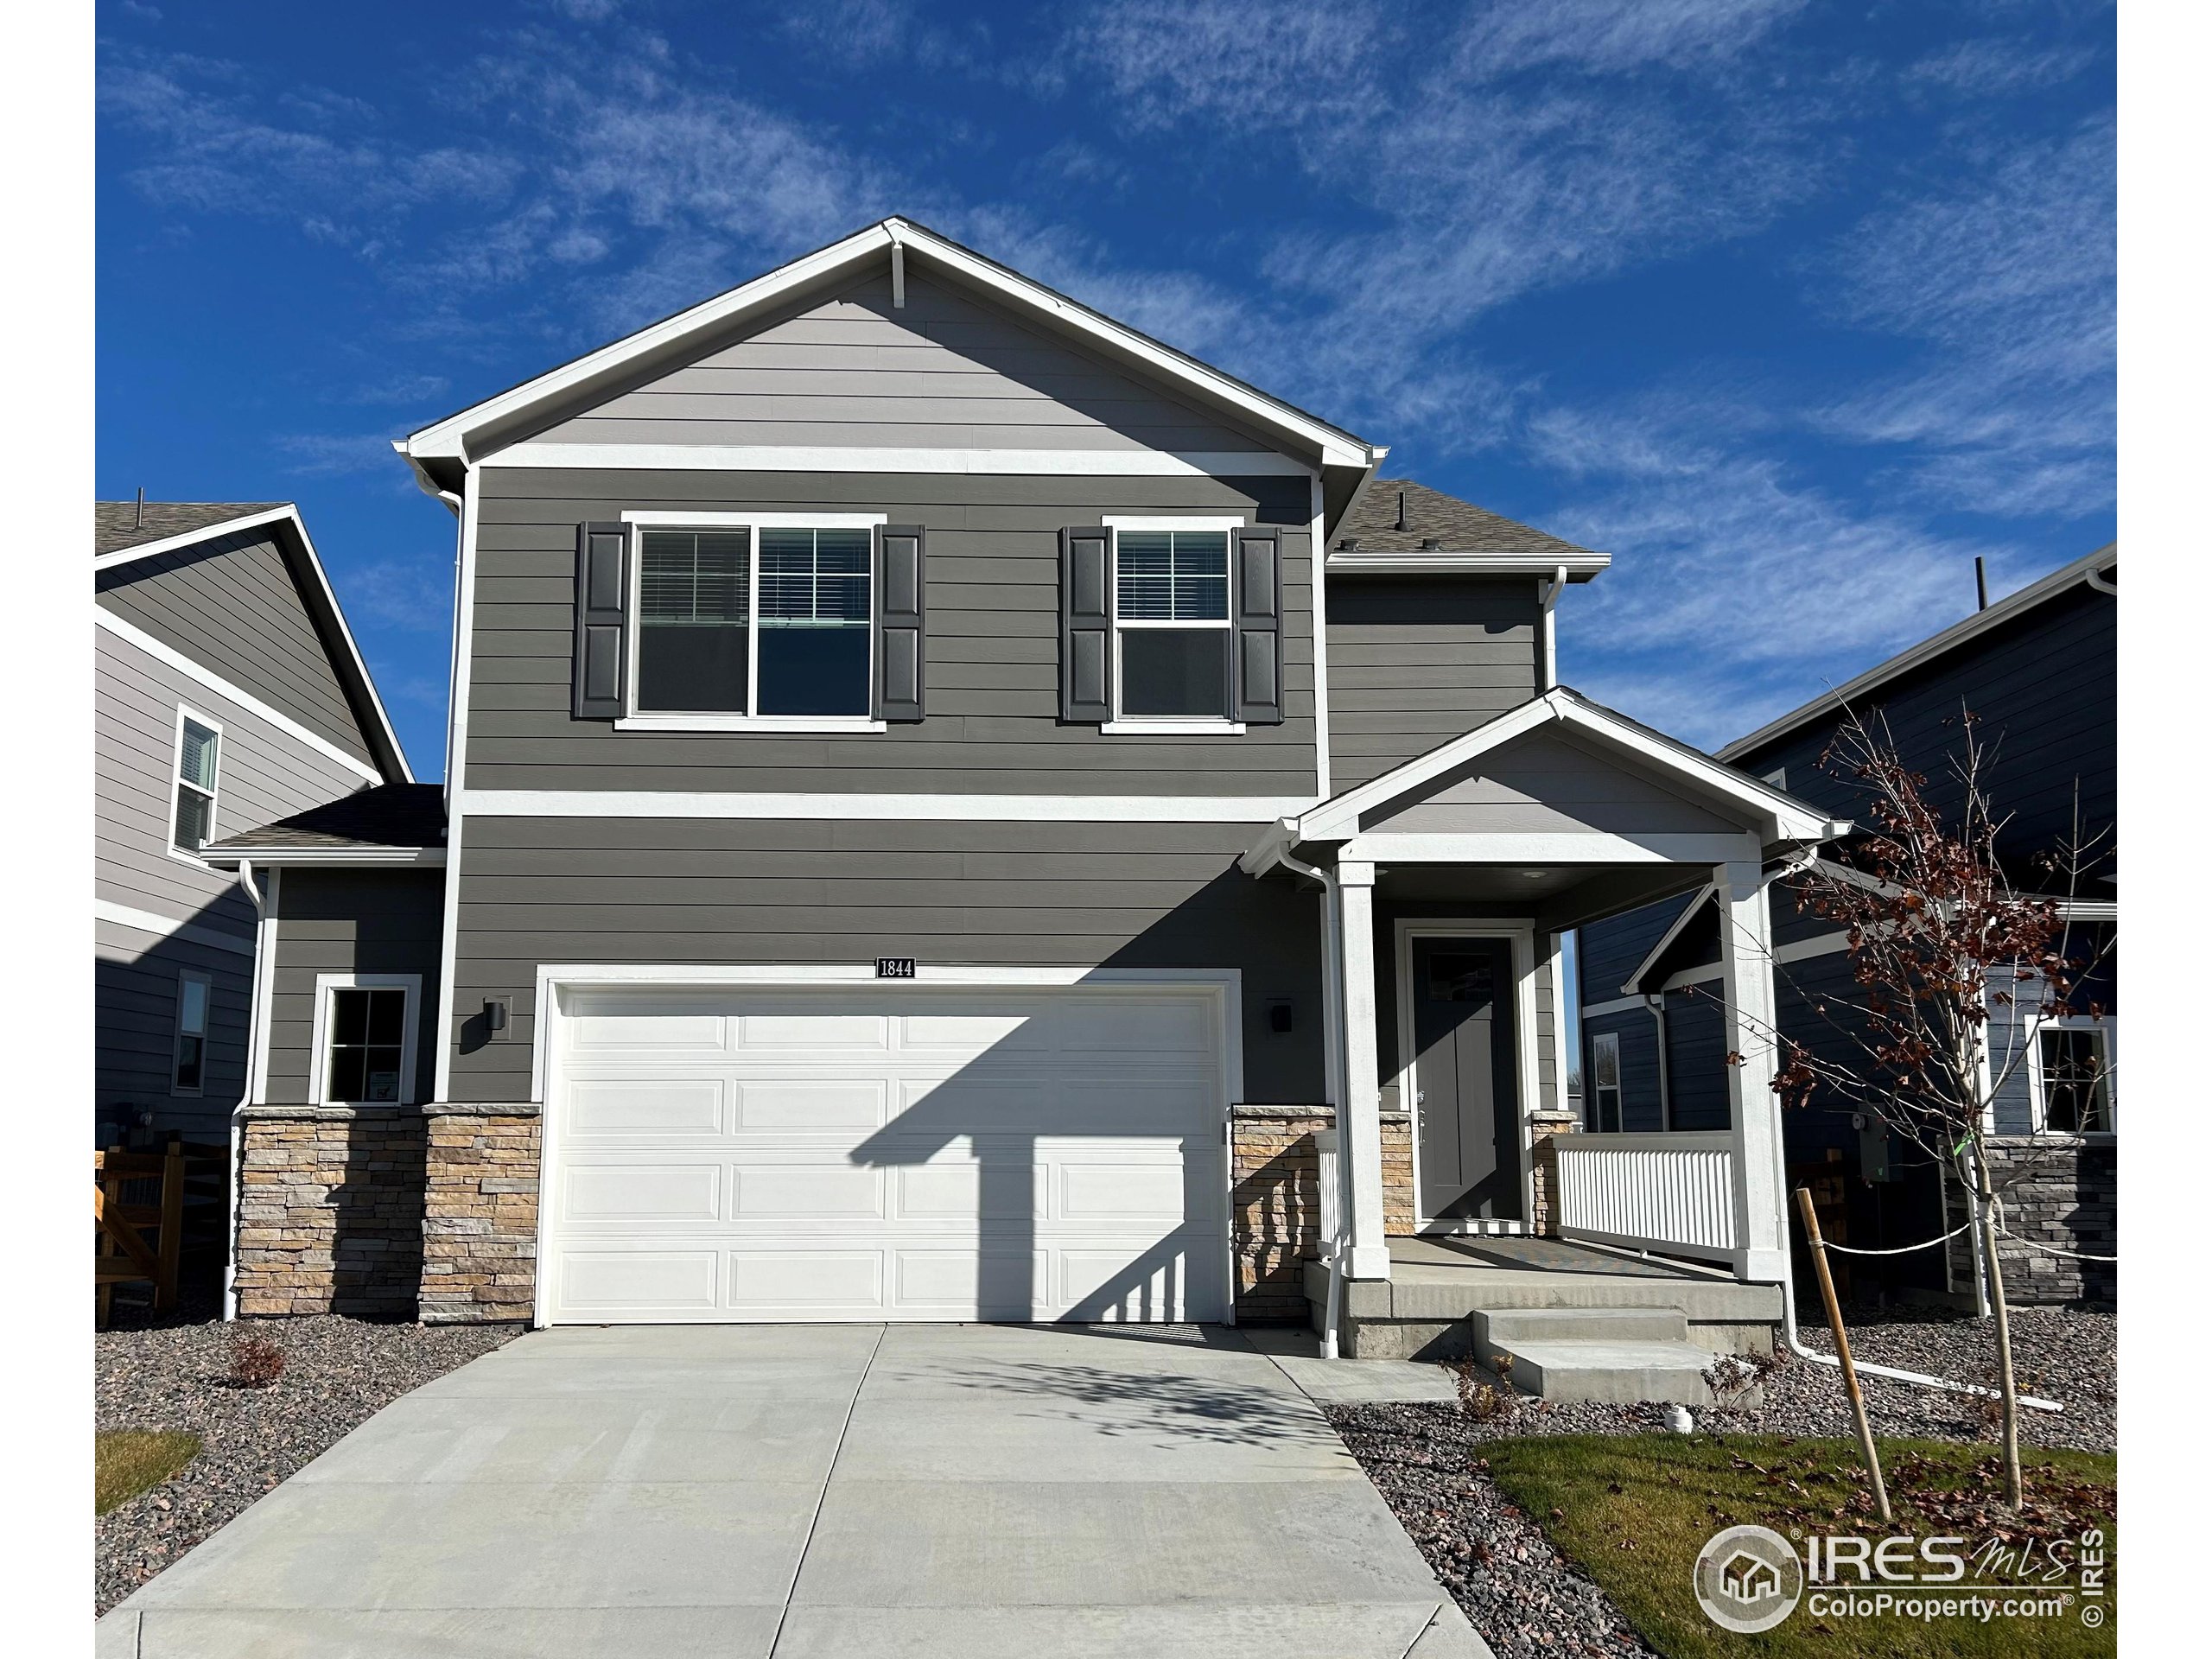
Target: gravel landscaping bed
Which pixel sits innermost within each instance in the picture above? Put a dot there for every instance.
(174, 1374)
(1529, 1602)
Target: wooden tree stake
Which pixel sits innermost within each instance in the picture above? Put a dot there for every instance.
(1843, 1350)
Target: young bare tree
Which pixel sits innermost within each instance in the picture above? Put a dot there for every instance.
(1938, 939)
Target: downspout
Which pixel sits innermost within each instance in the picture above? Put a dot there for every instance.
(2102, 583)
(1657, 1006)
(253, 1035)
(1547, 595)
(1332, 1045)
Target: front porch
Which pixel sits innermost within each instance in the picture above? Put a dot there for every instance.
(1447, 884)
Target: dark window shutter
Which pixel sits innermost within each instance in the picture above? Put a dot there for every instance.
(1086, 625)
(1258, 669)
(602, 596)
(900, 597)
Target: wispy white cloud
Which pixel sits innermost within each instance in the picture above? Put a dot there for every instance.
(330, 454)
(412, 596)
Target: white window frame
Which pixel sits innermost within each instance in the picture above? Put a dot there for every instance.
(2038, 1111)
(319, 1054)
(178, 1034)
(177, 780)
(1605, 1041)
(633, 720)
(1160, 725)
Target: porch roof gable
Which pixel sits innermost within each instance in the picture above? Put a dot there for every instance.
(1743, 805)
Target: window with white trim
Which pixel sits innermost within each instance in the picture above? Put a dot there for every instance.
(1604, 1111)
(778, 620)
(196, 996)
(1172, 626)
(199, 759)
(2070, 1076)
(364, 1038)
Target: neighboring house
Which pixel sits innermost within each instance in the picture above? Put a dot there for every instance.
(2039, 670)
(947, 799)
(227, 691)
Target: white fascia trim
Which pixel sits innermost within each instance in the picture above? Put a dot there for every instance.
(409, 1035)
(169, 658)
(1171, 521)
(169, 927)
(811, 458)
(1419, 846)
(450, 437)
(965, 808)
(457, 775)
(1580, 567)
(555, 978)
(1782, 817)
(1651, 957)
(818, 724)
(1173, 728)
(327, 857)
(1606, 1010)
(758, 520)
(1820, 944)
(191, 537)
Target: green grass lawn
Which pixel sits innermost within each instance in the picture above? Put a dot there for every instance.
(126, 1461)
(1634, 1511)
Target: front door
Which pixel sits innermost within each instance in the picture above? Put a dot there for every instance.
(1465, 1103)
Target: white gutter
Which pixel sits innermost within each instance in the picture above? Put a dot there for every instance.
(2102, 583)
(1550, 594)
(262, 968)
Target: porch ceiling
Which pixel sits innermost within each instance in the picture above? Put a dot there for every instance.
(1556, 897)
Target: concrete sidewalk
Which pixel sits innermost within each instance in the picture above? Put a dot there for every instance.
(811, 1490)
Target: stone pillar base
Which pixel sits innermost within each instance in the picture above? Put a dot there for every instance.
(479, 1213)
(1275, 1199)
(330, 1210)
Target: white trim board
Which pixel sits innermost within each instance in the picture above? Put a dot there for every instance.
(949, 463)
(191, 537)
(456, 769)
(229, 858)
(1581, 567)
(977, 809)
(169, 927)
(203, 676)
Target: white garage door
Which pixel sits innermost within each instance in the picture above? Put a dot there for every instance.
(900, 1153)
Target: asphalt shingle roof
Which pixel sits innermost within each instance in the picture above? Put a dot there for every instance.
(1431, 516)
(120, 524)
(389, 815)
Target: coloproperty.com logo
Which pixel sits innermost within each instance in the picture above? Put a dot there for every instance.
(1749, 1578)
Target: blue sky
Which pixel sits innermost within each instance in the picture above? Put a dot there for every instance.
(1793, 307)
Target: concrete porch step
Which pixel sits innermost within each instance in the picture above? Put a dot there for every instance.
(1508, 1325)
(1608, 1372)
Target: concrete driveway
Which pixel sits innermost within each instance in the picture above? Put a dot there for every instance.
(814, 1490)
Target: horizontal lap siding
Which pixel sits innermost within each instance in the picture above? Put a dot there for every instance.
(1639, 1051)
(1414, 661)
(232, 603)
(993, 648)
(350, 921)
(1544, 784)
(135, 977)
(262, 773)
(546, 891)
(943, 370)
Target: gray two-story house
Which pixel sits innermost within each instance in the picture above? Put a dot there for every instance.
(227, 692)
(957, 809)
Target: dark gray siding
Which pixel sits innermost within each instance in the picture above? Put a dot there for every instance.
(699, 891)
(1698, 1072)
(135, 976)
(1610, 950)
(233, 605)
(943, 371)
(1639, 1041)
(350, 921)
(2044, 687)
(993, 642)
(1414, 661)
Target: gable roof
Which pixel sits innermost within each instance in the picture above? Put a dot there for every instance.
(441, 452)
(1442, 532)
(391, 823)
(2095, 569)
(118, 525)
(1782, 817)
(187, 523)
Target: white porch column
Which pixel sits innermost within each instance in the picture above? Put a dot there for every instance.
(1754, 1114)
(1359, 1117)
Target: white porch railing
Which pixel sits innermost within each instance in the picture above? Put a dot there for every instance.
(1672, 1193)
(1330, 1179)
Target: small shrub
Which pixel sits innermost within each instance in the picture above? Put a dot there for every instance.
(256, 1363)
(1479, 1397)
(1731, 1375)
